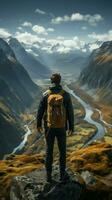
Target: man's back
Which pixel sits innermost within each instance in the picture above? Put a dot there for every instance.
(57, 111)
(67, 104)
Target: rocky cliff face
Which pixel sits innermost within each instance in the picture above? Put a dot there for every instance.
(98, 73)
(33, 186)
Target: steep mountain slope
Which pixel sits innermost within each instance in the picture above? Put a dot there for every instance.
(17, 92)
(10, 130)
(16, 77)
(31, 64)
(98, 73)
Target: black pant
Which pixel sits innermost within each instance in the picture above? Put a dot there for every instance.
(60, 134)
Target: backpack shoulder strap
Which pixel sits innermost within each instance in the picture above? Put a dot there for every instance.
(62, 92)
(48, 92)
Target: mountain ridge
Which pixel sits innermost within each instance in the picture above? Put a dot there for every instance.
(17, 93)
(30, 63)
(98, 73)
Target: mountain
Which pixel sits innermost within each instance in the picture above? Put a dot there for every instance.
(16, 77)
(71, 62)
(98, 73)
(10, 130)
(17, 93)
(29, 61)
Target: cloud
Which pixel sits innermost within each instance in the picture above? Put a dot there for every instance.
(75, 17)
(27, 24)
(58, 45)
(40, 11)
(4, 33)
(32, 52)
(101, 37)
(28, 38)
(93, 46)
(39, 29)
(62, 46)
(50, 29)
(20, 28)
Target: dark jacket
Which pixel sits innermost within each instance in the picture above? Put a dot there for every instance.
(68, 106)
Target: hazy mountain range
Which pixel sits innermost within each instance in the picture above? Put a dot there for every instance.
(71, 62)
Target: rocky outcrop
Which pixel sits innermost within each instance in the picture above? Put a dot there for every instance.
(22, 177)
(34, 187)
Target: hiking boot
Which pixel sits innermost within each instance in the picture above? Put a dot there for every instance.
(64, 177)
(49, 177)
(49, 180)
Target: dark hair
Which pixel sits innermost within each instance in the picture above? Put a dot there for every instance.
(56, 78)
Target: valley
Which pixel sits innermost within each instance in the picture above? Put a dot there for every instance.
(32, 148)
(22, 148)
(87, 127)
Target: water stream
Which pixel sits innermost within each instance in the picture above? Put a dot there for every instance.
(88, 114)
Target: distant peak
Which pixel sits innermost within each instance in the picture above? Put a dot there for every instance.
(14, 43)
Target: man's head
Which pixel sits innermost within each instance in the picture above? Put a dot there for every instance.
(56, 78)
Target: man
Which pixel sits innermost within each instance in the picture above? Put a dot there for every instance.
(57, 111)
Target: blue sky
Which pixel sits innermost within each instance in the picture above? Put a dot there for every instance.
(82, 21)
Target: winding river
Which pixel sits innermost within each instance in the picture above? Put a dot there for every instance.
(22, 144)
(101, 129)
(88, 113)
(28, 132)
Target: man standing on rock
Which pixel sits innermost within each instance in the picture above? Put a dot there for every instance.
(56, 110)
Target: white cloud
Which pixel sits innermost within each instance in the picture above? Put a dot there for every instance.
(28, 38)
(74, 17)
(20, 28)
(84, 50)
(62, 45)
(50, 29)
(40, 11)
(4, 33)
(39, 29)
(93, 46)
(27, 24)
(101, 37)
(77, 17)
(31, 52)
(63, 50)
(58, 20)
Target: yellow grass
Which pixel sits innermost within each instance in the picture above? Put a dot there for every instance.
(17, 165)
(95, 158)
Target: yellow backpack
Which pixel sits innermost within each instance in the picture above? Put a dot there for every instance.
(56, 114)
